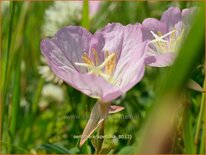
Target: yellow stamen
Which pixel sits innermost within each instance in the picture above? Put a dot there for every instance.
(172, 36)
(110, 66)
(110, 57)
(181, 35)
(159, 33)
(160, 45)
(93, 67)
(171, 44)
(87, 60)
(95, 56)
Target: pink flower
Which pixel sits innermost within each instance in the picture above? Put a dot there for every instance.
(103, 65)
(166, 35)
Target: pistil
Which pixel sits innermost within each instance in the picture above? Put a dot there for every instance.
(95, 68)
(162, 45)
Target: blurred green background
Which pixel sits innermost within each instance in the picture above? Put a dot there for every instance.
(41, 116)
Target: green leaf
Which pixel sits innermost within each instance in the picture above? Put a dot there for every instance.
(106, 150)
(126, 150)
(188, 135)
(74, 150)
(54, 148)
(86, 149)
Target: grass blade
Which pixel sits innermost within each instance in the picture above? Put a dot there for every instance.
(188, 134)
(55, 148)
(85, 15)
(4, 66)
(15, 99)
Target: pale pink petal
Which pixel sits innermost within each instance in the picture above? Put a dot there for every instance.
(113, 38)
(162, 60)
(114, 109)
(152, 24)
(171, 17)
(73, 41)
(130, 66)
(194, 86)
(87, 83)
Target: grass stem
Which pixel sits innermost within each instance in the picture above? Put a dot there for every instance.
(85, 15)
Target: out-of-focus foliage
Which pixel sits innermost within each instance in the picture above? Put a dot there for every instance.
(43, 117)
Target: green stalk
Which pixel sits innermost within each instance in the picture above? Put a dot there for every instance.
(100, 140)
(15, 101)
(6, 56)
(202, 144)
(202, 111)
(17, 36)
(202, 149)
(85, 15)
(37, 96)
(13, 68)
(28, 124)
(188, 135)
(4, 80)
(14, 146)
(199, 121)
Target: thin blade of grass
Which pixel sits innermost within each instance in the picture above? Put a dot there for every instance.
(85, 15)
(29, 122)
(15, 100)
(188, 135)
(55, 148)
(4, 65)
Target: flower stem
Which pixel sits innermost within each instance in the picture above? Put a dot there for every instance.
(199, 119)
(100, 138)
(201, 111)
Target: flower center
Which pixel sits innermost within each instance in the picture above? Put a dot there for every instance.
(162, 45)
(105, 69)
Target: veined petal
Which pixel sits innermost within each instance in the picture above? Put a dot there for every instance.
(97, 43)
(65, 69)
(130, 75)
(73, 42)
(171, 16)
(53, 53)
(113, 38)
(130, 66)
(154, 25)
(133, 46)
(88, 84)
